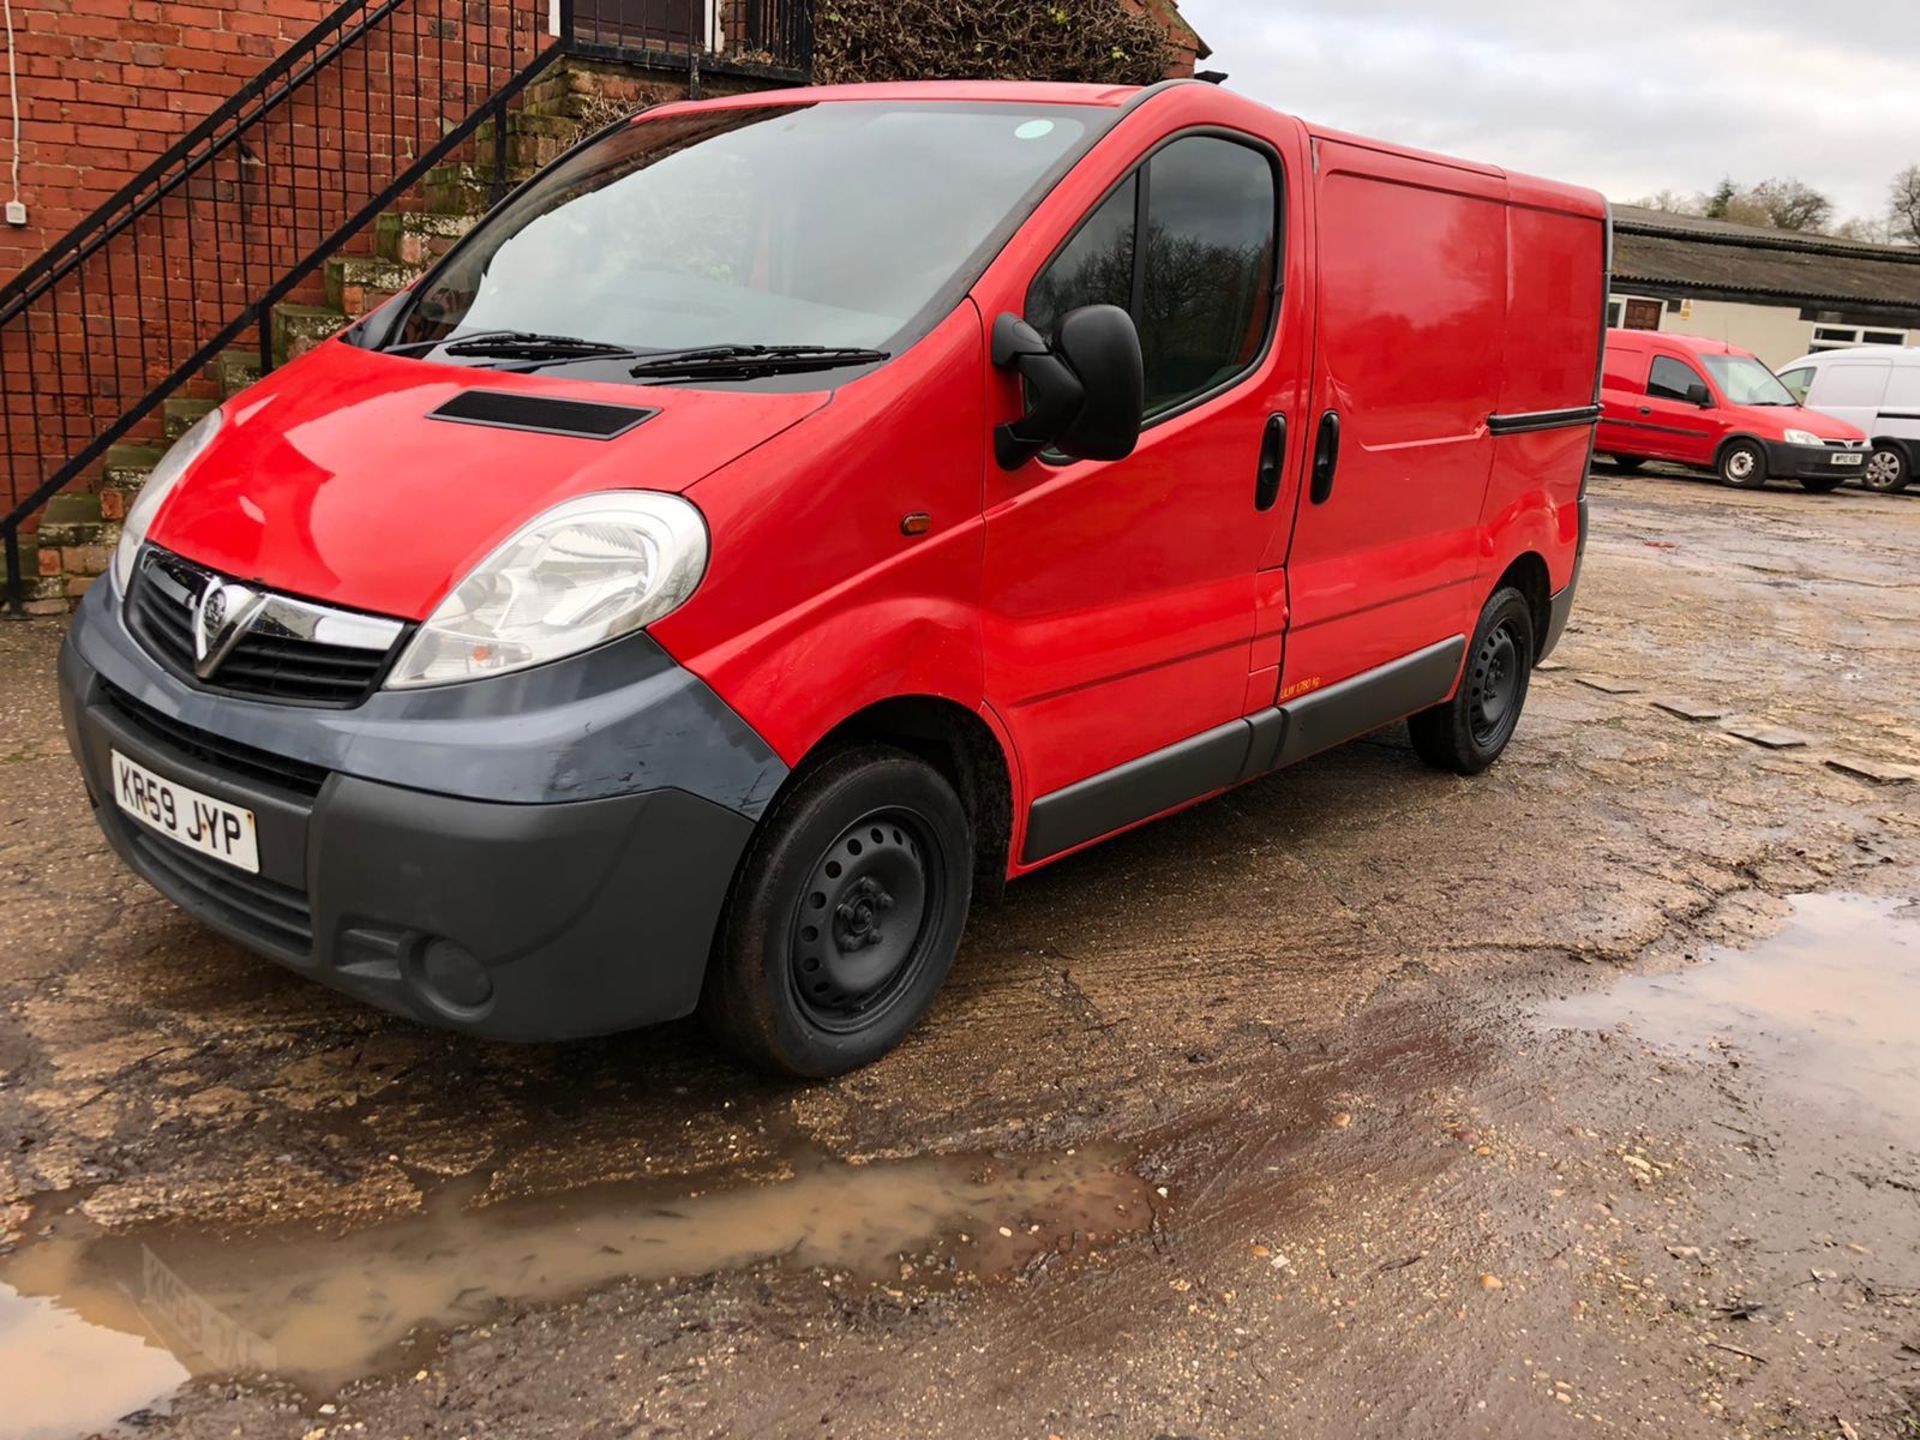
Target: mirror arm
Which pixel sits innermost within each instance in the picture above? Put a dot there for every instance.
(1054, 394)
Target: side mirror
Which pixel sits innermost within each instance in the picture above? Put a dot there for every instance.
(1698, 394)
(1085, 391)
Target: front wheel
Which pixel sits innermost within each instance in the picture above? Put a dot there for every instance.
(845, 916)
(1467, 733)
(1743, 465)
(1886, 469)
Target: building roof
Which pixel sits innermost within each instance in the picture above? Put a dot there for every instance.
(1656, 247)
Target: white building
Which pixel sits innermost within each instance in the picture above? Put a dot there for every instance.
(1777, 293)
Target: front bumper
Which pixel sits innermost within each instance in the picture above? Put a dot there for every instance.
(508, 917)
(1813, 462)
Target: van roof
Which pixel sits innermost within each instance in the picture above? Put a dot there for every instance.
(1696, 344)
(1892, 354)
(1524, 189)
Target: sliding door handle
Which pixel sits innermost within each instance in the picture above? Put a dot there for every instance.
(1326, 458)
(1273, 463)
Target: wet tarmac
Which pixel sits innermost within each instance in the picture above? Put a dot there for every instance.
(1575, 1099)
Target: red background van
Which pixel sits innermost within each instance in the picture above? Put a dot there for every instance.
(1713, 406)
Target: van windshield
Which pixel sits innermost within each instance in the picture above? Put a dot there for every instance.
(844, 224)
(1745, 381)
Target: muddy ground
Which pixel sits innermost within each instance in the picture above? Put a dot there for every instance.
(1580, 1098)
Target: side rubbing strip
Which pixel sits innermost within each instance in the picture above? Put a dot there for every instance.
(1198, 765)
(1530, 420)
(1378, 697)
(512, 410)
(1239, 750)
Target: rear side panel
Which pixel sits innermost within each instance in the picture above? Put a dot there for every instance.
(1556, 301)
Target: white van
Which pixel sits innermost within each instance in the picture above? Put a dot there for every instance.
(1876, 387)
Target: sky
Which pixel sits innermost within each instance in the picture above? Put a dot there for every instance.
(1627, 96)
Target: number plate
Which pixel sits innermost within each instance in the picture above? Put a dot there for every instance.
(200, 822)
(1849, 457)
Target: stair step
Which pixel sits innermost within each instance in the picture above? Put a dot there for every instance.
(466, 189)
(234, 370)
(298, 328)
(127, 466)
(73, 518)
(182, 413)
(414, 237)
(356, 284)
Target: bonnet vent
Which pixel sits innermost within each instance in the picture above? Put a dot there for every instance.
(511, 410)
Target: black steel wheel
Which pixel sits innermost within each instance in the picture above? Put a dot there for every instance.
(861, 930)
(1494, 685)
(845, 915)
(1467, 733)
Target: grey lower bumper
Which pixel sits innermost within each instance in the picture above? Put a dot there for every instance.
(506, 918)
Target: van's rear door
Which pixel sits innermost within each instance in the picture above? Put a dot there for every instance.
(1412, 255)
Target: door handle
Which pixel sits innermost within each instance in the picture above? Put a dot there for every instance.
(1326, 457)
(1646, 409)
(1273, 463)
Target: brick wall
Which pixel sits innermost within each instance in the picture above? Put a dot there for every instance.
(106, 85)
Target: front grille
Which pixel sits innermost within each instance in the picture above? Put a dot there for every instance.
(276, 915)
(271, 660)
(227, 756)
(1846, 444)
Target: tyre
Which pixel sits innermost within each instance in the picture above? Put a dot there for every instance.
(1743, 465)
(845, 916)
(1821, 484)
(1467, 733)
(1627, 464)
(1887, 469)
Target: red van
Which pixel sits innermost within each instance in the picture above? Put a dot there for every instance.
(791, 516)
(1716, 407)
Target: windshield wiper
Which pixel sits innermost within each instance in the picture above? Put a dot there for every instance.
(517, 345)
(728, 362)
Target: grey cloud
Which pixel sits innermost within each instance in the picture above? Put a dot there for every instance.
(1629, 96)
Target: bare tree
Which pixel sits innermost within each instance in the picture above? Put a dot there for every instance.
(1792, 204)
(1903, 206)
(1674, 202)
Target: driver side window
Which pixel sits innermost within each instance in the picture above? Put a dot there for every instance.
(1672, 380)
(1200, 286)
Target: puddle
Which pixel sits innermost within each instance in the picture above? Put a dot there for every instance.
(1828, 1009)
(95, 1325)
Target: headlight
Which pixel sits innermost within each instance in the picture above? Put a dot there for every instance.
(586, 571)
(1803, 437)
(167, 474)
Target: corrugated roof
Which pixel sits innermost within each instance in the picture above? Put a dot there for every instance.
(1662, 248)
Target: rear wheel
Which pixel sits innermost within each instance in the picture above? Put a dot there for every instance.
(845, 917)
(1467, 733)
(1821, 484)
(1887, 469)
(1743, 465)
